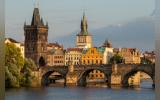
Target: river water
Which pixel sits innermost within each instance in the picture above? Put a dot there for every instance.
(82, 93)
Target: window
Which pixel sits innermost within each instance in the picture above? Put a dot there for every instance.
(33, 49)
(92, 51)
(96, 61)
(84, 61)
(100, 61)
(92, 62)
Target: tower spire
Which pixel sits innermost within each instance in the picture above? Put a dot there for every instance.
(84, 25)
(37, 20)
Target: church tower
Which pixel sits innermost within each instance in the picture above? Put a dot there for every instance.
(36, 39)
(84, 39)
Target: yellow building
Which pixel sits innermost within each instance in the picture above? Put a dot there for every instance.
(93, 56)
(17, 44)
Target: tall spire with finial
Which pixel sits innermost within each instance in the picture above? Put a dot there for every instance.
(84, 25)
(36, 20)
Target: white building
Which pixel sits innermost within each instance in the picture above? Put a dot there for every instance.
(108, 53)
(73, 55)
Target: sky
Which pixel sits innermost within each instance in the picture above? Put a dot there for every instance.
(64, 16)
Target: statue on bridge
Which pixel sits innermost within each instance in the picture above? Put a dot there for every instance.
(71, 66)
(71, 77)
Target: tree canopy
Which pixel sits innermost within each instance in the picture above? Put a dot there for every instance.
(28, 67)
(116, 59)
(13, 64)
(18, 71)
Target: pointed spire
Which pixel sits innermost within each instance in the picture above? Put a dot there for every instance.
(36, 20)
(47, 23)
(25, 23)
(84, 25)
(42, 21)
(107, 43)
(36, 17)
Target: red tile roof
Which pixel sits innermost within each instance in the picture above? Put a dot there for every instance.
(54, 45)
(12, 40)
(74, 49)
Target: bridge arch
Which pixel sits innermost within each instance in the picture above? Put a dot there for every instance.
(82, 77)
(146, 69)
(45, 77)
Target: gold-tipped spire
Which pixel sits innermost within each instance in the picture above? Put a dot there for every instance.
(84, 25)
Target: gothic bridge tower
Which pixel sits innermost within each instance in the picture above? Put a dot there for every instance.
(36, 39)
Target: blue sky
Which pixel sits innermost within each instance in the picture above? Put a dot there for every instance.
(64, 16)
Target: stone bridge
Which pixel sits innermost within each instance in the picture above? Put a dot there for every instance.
(116, 74)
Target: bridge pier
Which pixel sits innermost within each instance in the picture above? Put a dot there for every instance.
(36, 82)
(71, 77)
(116, 80)
(116, 77)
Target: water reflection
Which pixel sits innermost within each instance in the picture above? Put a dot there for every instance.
(82, 93)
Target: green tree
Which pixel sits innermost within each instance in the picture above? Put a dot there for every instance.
(116, 59)
(13, 64)
(28, 68)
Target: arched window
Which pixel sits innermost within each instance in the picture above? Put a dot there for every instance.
(42, 61)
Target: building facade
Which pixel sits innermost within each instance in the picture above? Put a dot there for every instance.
(84, 39)
(55, 57)
(129, 55)
(93, 56)
(108, 53)
(151, 56)
(36, 39)
(73, 55)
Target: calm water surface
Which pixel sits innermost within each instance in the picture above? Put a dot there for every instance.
(81, 93)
